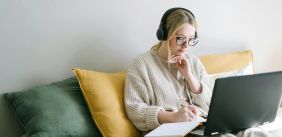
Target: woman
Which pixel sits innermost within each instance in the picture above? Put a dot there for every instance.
(162, 81)
(166, 84)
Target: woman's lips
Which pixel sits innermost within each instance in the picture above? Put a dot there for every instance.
(181, 50)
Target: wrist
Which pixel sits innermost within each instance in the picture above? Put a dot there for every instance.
(193, 83)
(166, 117)
(172, 116)
(188, 76)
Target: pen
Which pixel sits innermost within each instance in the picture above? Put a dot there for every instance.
(204, 113)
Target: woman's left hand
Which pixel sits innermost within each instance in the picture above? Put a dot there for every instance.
(182, 64)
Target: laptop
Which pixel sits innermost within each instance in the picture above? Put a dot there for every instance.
(242, 102)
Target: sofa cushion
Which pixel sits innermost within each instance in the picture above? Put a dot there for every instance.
(228, 64)
(55, 110)
(103, 93)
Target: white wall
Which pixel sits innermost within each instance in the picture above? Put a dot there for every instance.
(41, 40)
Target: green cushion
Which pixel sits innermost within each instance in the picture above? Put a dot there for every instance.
(54, 110)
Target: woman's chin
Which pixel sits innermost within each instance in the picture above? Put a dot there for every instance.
(180, 52)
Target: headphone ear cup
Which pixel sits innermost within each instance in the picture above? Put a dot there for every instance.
(161, 34)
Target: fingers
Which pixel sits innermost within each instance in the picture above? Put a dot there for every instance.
(192, 116)
(193, 109)
(179, 59)
(185, 103)
(188, 113)
(187, 117)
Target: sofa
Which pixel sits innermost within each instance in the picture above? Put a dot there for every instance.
(90, 104)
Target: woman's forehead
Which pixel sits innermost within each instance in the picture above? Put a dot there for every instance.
(186, 30)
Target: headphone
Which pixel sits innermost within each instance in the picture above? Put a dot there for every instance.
(162, 30)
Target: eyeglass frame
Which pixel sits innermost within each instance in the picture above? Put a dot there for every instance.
(189, 39)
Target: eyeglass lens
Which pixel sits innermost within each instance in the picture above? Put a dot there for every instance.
(181, 41)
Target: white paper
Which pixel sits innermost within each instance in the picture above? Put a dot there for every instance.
(179, 129)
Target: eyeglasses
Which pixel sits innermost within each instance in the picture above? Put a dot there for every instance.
(182, 41)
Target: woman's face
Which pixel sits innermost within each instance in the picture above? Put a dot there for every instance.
(179, 41)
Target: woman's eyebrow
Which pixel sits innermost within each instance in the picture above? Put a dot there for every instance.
(192, 36)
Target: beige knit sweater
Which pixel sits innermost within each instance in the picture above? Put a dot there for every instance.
(150, 87)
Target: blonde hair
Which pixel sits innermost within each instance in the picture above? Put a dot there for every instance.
(174, 21)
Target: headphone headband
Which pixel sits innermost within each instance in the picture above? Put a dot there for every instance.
(162, 30)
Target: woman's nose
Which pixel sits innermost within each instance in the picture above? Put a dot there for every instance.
(185, 45)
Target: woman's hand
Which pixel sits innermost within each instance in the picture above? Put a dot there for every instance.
(185, 113)
(182, 64)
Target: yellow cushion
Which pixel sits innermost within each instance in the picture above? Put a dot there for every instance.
(103, 93)
(218, 63)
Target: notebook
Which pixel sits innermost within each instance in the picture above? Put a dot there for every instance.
(179, 129)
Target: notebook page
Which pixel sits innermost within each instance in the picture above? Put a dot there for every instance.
(179, 129)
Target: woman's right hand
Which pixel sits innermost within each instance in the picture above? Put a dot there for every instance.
(185, 113)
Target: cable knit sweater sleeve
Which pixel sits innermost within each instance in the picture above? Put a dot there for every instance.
(203, 99)
(138, 97)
